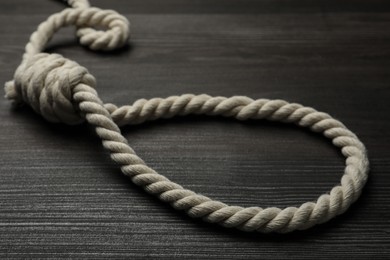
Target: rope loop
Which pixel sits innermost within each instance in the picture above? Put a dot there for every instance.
(63, 91)
(117, 27)
(116, 35)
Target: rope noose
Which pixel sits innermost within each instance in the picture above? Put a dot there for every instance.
(63, 91)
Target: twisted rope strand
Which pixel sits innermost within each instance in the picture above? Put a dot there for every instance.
(63, 91)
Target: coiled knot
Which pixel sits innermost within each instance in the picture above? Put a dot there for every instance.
(46, 82)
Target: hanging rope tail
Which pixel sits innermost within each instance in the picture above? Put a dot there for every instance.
(63, 91)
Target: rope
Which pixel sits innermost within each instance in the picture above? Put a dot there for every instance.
(63, 91)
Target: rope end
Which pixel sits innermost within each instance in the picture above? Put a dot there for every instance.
(12, 94)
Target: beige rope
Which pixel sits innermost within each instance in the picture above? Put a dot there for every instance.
(63, 91)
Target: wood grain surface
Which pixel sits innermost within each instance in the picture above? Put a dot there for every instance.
(62, 197)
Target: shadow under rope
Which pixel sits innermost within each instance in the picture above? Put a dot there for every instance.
(56, 46)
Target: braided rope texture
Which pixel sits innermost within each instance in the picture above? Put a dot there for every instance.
(63, 91)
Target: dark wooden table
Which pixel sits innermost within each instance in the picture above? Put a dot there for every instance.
(61, 196)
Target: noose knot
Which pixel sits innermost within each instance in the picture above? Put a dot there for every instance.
(46, 83)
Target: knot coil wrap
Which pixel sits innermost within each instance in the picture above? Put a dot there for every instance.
(46, 83)
(63, 91)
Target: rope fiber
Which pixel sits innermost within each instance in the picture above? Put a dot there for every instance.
(63, 91)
